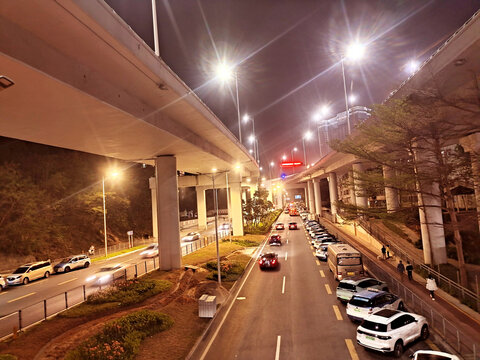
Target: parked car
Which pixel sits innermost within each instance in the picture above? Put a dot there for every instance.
(292, 226)
(275, 240)
(106, 275)
(367, 302)
(150, 251)
(191, 236)
(350, 286)
(29, 272)
(72, 263)
(3, 283)
(390, 330)
(433, 355)
(268, 261)
(322, 251)
(279, 226)
(225, 227)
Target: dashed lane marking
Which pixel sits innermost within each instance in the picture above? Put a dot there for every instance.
(277, 351)
(329, 291)
(318, 262)
(322, 274)
(286, 253)
(338, 314)
(67, 281)
(283, 286)
(431, 345)
(241, 298)
(21, 297)
(351, 349)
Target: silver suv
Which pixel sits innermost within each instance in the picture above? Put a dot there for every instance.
(352, 285)
(72, 262)
(28, 272)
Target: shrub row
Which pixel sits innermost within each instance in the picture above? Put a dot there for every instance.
(264, 225)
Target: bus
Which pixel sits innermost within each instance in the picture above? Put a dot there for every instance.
(344, 261)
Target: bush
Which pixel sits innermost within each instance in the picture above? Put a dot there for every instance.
(85, 309)
(7, 357)
(230, 271)
(265, 223)
(121, 339)
(129, 292)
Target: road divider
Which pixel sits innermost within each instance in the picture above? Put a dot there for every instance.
(338, 314)
(351, 349)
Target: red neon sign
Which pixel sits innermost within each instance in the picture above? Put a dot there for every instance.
(291, 163)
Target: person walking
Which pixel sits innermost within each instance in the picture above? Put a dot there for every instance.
(431, 286)
(409, 269)
(384, 251)
(388, 251)
(401, 269)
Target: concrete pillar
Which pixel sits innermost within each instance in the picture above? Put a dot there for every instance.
(430, 211)
(229, 204)
(333, 190)
(236, 199)
(361, 198)
(471, 144)
(153, 192)
(351, 187)
(318, 197)
(167, 213)
(201, 208)
(392, 197)
(311, 199)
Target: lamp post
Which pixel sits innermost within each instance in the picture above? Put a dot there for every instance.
(113, 174)
(307, 136)
(324, 111)
(246, 119)
(272, 164)
(225, 73)
(215, 201)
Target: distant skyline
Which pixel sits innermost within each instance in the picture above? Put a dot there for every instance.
(287, 55)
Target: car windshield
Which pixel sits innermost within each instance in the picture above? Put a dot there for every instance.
(21, 270)
(346, 286)
(191, 234)
(151, 247)
(361, 301)
(432, 357)
(349, 260)
(268, 256)
(370, 325)
(65, 260)
(109, 268)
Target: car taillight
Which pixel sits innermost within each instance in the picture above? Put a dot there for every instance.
(339, 273)
(260, 262)
(274, 261)
(370, 310)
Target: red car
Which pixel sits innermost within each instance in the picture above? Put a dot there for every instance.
(292, 226)
(279, 226)
(268, 261)
(275, 240)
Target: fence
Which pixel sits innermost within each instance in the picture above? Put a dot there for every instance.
(46, 308)
(466, 295)
(454, 337)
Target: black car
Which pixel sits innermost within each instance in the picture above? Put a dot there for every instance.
(268, 261)
(275, 240)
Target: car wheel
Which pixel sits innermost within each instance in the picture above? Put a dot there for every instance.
(67, 269)
(425, 332)
(47, 274)
(87, 264)
(398, 349)
(385, 289)
(401, 306)
(25, 281)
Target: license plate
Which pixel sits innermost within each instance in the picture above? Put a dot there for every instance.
(350, 273)
(370, 337)
(357, 309)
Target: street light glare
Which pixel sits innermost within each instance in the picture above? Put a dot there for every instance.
(295, 149)
(214, 170)
(250, 151)
(246, 117)
(355, 51)
(284, 157)
(412, 66)
(325, 110)
(272, 163)
(352, 98)
(224, 72)
(251, 138)
(308, 135)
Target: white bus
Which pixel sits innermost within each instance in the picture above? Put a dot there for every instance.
(344, 261)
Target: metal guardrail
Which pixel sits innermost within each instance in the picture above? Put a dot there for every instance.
(458, 340)
(49, 307)
(446, 283)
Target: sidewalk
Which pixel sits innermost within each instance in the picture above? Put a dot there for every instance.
(466, 320)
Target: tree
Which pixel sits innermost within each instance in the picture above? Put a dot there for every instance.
(257, 206)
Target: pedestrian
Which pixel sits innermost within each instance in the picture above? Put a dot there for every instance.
(431, 286)
(401, 269)
(384, 251)
(409, 269)
(91, 251)
(388, 251)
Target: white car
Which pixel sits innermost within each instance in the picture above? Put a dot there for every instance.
(106, 275)
(191, 236)
(433, 355)
(369, 301)
(390, 330)
(150, 251)
(225, 227)
(3, 283)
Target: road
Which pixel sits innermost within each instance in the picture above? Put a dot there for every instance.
(291, 313)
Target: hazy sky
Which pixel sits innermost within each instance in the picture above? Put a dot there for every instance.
(287, 54)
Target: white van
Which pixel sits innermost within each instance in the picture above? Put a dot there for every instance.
(28, 272)
(344, 260)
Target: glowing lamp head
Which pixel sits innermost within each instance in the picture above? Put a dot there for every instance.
(272, 163)
(352, 99)
(307, 135)
(412, 66)
(251, 138)
(355, 51)
(284, 157)
(246, 118)
(224, 72)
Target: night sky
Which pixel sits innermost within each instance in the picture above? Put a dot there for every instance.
(287, 54)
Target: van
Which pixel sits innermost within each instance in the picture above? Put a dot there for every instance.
(344, 260)
(28, 272)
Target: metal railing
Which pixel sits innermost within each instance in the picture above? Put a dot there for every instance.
(458, 340)
(455, 289)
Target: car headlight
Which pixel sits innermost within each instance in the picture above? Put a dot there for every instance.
(103, 279)
(144, 253)
(91, 278)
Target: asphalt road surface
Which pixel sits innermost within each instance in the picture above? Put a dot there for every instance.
(290, 313)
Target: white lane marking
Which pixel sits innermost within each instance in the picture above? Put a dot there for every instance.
(207, 348)
(283, 286)
(277, 352)
(33, 283)
(67, 281)
(287, 241)
(241, 298)
(21, 297)
(286, 253)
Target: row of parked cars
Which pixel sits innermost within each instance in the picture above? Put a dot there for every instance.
(385, 324)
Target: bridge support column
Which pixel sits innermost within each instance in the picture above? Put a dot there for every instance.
(201, 208)
(236, 200)
(318, 197)
(471, 144)
(361, 199)
(391, 194)
(311, 199)
(333, 190)
(153, 193)
(167, 212)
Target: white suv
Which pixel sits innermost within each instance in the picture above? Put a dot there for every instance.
(433, 355)
(390, 330)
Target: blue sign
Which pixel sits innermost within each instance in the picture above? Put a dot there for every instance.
(298, 197)
(283, 176)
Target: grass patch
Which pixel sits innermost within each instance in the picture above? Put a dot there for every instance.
(85, 309)
(120, 339)
(395, 229)
(7, 357)
(119, 253)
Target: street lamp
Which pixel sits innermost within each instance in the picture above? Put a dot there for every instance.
(293, 150)
(225, 73)
(412, 66)
(272, 164)
(354, 52)
(215, 201)
(113, 174)
(246, 119)
(253, 141)
(307, 136)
